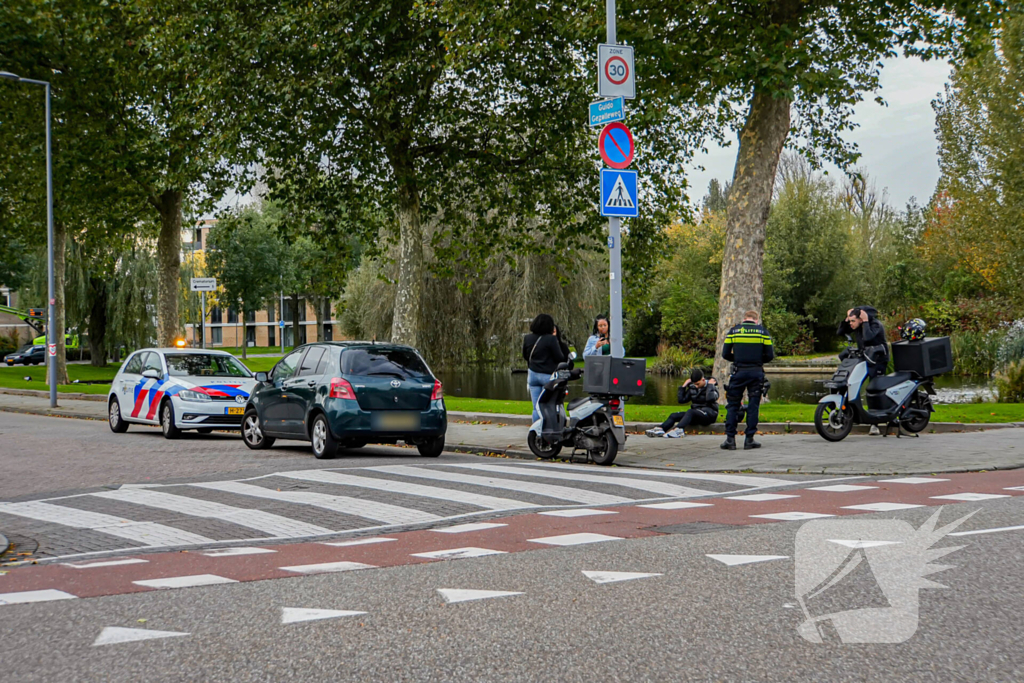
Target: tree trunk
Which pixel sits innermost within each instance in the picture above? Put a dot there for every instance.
(750, 198)
(98, 323)
(59, 265)
(406, 324)
(295, 320)
(168, 253)
(318, 306)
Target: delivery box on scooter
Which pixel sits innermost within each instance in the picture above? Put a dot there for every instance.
(929, 357)
(615, 376)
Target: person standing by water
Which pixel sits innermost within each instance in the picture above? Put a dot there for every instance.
(598, 344)
(543, 350)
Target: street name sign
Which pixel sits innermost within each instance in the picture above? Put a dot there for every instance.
(618, 193)
(616, 145)
(615, 75)
(606, 111)
(204, 284)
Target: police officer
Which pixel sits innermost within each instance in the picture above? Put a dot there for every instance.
(748, 346)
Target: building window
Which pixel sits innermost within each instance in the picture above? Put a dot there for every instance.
(216, 336)
(302, 313)
(250, 336)
(232, 316)
(327, 310)
(328, 332)
(270, 313)
(302, 334)
(215, 315)
(270, 336)
(250, 317)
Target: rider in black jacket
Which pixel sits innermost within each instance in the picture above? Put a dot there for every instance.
(702, 395)
(863, 325)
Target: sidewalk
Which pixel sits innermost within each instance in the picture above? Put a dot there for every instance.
(953, 448)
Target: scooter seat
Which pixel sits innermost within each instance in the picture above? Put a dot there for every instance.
(577, 402)
(888, 381)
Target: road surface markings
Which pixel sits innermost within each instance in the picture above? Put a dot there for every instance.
(736, 479)
(792, 516)
(357, 541)
(35, 596)
(676, 505)
(458, 553)
(105, 563)
(146, 533)
(574, 539)
(391, 486)
(465, 528)
(185, 581)
(1014, 488)
(761, 497)
(579, 512)
(659, 487)
(550, 490)
(270, 524)
(912, 480)
(235, 552)
(614, 577)
(842, 488)
(328, 567)
(359, 507)
(965, 533)
(881, 507)
(112, 635)
(733, 560)
(968, 497)
(453, 595)
(295, 615)
(862, 544)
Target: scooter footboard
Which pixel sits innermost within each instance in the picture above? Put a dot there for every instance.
(833, 398)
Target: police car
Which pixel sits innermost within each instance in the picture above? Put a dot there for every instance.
(179, 389)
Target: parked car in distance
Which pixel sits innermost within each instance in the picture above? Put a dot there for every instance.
(179, 389)
(348, 394)
(29, 354)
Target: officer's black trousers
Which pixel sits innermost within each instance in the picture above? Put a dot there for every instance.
(751, 380)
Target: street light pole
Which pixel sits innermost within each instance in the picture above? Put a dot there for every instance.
(53, 334)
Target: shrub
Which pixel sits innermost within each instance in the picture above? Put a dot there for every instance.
(976, 353)
(8, 343)
(1010, 383)
(1012, 347)
(674, 361)
(791, 333)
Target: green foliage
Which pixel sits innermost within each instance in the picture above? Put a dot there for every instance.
(1011, 349)
(8, 342)
(1010, 383)
(975, 353)
(675, 361)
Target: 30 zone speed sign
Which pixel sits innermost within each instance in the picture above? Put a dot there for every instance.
(615, 71)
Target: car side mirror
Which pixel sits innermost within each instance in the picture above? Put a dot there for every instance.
(261, 377)
(151, 374)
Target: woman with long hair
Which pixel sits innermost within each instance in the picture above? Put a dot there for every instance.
(598, 343)
(543, 350)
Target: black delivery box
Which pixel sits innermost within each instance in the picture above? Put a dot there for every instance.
(616, 376)
(929, 357)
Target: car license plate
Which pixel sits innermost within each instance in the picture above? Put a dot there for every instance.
(394, 421)
(235, 411)
(617, 420)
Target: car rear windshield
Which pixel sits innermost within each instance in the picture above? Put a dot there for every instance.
(399, 363)
(204, 365)
(25, 349)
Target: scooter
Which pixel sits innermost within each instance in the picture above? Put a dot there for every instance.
(901, 400)
(594, 424)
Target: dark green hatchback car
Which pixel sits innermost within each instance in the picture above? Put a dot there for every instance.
(347, 394)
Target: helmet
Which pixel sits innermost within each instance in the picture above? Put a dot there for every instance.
(912, 330)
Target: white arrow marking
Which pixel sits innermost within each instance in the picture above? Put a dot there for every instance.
(862, 544)
(294, 615)
(452, 595)
(113, 635)
(612, 577)
(732, 560)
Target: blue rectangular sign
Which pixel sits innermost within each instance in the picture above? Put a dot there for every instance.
(618, 193)
(606, 111)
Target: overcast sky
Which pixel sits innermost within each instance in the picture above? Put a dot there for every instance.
(897, 143)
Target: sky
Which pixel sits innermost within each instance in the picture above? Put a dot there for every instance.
(897, 142)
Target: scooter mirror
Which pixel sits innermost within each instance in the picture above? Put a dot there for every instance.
(572, 355)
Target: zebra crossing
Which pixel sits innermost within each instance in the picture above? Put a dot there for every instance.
(319, 503)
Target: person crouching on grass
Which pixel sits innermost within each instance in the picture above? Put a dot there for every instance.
(702, 395)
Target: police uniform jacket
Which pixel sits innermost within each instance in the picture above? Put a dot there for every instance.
(748, 345)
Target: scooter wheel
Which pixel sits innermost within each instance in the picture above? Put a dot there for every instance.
(541, 449)
(832, 423)
(606, 455)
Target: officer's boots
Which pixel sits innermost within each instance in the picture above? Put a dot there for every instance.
(749, 443)
(729, 444)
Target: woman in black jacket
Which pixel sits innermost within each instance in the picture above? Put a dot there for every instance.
(702, 395)
(543, 350)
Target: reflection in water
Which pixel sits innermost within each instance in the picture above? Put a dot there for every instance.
(660, 390)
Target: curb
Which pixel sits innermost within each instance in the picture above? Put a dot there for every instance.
(73, 396)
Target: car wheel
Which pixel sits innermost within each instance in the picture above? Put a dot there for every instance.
(431, 448)
(114, 419)
(252, 433)
(324, 445)
(205, 430)
(170, 429)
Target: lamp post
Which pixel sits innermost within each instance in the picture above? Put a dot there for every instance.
(52, 332)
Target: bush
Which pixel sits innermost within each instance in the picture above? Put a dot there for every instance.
(1010, 383)
(791, 333)
(1011, 349)
(8, 343)
(976, 353)
(674, 361)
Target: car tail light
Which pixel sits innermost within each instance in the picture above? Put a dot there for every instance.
(340, 388)
(438, 392)
(614, 403)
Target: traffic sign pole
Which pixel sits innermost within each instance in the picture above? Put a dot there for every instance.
(614, 238)
(202, 317)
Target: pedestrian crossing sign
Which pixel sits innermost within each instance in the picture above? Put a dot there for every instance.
(618, 193)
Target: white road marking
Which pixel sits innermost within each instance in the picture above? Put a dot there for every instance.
(35, 596)
(613, 577)
(465, 528)
(733, 560)
(458, 553)
(295, 615)
(105, 563)
(659, 487)
(112, 635)
(185, 581)
(882, 507)
(235, 552)
(358, 541)
(862, 544)
(328, 567)
(435, 492)
(574, 539)
(359, 507)
(550, 490)
(1014, 488)
(969, 497)
(761, 497)
(842, 488)
(912, 480)
(270, 524)
(968, 533)
(147, 533)
(737, 479)
(453, 595)
(577, 513)
(793, 516)
(676, 505)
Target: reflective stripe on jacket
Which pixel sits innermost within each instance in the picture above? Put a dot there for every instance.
(748, 345)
